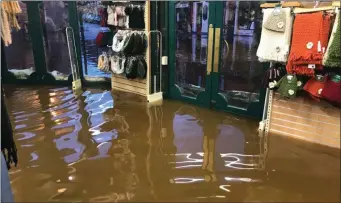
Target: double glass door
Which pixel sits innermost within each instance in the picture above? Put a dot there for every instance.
(212, 56)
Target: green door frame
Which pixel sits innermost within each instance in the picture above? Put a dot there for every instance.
(255, 110)
(203, 98)
(211, 97)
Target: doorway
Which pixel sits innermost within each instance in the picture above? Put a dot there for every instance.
(213, 59)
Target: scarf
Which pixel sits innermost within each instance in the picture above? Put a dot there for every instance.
(9, 9)
(333, 53)
(274, 44)
(309, 41)
(332, 91)
(8, 147)
(314, 87)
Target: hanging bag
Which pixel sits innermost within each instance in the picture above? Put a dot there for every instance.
(141, 68)
(104, 37)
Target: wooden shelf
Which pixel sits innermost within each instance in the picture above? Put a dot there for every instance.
(286, 4)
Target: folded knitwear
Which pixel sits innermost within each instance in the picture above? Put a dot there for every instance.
(315, 87)
(309, 41)
(275, 43)
(288, 86)
(332, 58)
(332, 90)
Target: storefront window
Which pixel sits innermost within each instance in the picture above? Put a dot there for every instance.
(21, 46)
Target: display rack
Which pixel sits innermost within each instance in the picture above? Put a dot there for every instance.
(301, 118)
(142, 87)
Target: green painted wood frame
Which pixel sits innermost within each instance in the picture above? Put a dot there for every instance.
(210, 97)
(35, 31)
(203, 98)
(254, 110)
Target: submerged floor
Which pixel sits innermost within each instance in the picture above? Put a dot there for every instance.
(104, 146)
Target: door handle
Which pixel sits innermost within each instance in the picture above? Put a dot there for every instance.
(209, 49)
(216, 50)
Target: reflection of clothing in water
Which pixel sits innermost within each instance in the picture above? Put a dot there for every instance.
(189, 139)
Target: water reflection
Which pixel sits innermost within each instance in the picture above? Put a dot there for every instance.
(104, 146)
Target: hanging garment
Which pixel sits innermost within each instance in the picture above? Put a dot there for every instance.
(332, 58)
(129, 44)
(120, 39)
(309, 41)
(141, 68)
(136, 16)
(332, 90)
(9, 10)
(104, 37)
(131, 67)
(276, 35)
(139, 43)
(111, 15)
(315, 86)
(287, 86)
(117, 64)
(104, 17)
(103, 63)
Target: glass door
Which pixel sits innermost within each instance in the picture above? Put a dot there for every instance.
(212, 55)
(191, 37)
(237, 73)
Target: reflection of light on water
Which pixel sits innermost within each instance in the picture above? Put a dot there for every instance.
(223, 187)
(232, 179)
(215, 196)
(186, 180)
(189, 160)
(238, 162)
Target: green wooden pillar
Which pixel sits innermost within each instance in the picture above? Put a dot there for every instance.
(35, 31)
(74, 23)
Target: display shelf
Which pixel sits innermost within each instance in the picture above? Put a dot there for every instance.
(140, 86)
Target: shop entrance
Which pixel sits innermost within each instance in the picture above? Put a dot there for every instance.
(212, 55)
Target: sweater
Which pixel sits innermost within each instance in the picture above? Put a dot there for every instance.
(310, 38)
(332, 58)
(332, 91)
(274, 45)
(287, 86)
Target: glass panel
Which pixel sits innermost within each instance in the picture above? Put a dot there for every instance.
(90, 20)
(191, 47)
(240, 72)
(54, 15)
(21, 46)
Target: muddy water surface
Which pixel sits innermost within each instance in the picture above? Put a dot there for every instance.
(104, 146)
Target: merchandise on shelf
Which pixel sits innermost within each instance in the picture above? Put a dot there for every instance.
(309, 42)
(276, 35)
(315, 86)
(332, 57)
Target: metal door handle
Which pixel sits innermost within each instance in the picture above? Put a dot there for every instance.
(216, 50)
(209, 49)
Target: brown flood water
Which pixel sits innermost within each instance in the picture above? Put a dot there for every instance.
(105, 146)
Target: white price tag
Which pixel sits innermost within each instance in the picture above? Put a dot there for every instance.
(311, 66)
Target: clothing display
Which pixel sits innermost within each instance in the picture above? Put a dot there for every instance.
(309, 41)
(332, 89)
(315, 87)
(276, 35)
(332, 57)
(9, 10)
(287, 86)
(116, 16)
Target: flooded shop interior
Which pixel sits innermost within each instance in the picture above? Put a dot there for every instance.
(222, 101)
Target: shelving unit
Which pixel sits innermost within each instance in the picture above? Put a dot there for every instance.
(140, 87)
